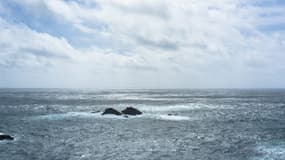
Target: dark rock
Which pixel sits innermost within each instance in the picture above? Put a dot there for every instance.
(131, 111)
(5, 137)
(111, 111)
(95, 111)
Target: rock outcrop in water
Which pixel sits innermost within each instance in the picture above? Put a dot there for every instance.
(111, 111)
(172, 114)
(131, 111)
(5, 137)
(128, 111)
(95, 112)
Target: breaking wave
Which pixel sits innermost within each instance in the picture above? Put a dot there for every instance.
(62, 116)
(271, 152)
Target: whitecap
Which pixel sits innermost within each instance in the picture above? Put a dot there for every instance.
(169, 117)
(191, 106)
(62, 116)
(271, 152)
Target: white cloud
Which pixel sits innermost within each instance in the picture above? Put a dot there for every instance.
(21, 46)
(214, 43)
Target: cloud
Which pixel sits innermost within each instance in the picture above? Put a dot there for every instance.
(21, 46)
(213, 43)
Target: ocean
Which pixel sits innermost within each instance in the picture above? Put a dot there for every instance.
(176, 124)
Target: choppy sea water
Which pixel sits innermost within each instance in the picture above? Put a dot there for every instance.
(58, 124)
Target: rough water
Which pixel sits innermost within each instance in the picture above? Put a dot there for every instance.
(57, 124)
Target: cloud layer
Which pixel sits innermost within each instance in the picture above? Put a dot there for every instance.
(142, 44)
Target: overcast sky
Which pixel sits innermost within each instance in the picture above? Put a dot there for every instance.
(142, 43)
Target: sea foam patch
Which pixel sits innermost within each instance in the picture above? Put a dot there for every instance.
(69, 115)
(185, 107)
(271, 152)
(170, 117)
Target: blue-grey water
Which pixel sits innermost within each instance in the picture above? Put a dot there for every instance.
(58, 124)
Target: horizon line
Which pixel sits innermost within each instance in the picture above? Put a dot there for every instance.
(91, 88)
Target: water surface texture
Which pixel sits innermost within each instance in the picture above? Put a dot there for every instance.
(57, 124)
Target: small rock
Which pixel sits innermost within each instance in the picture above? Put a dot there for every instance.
(131, 111)
(5, 137)
(95, 111)
(111, 111)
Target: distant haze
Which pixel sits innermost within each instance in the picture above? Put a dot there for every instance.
(142, 44)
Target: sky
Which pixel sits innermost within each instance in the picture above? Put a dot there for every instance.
(142, 44)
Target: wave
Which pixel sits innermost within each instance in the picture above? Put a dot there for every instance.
(62, 116)
(168, 117)
(270, 152)
(180, 107)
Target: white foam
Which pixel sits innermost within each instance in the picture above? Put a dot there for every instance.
(186, 107)
(170, 117)
(62, 116)
(164, 108)
(271, 152)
